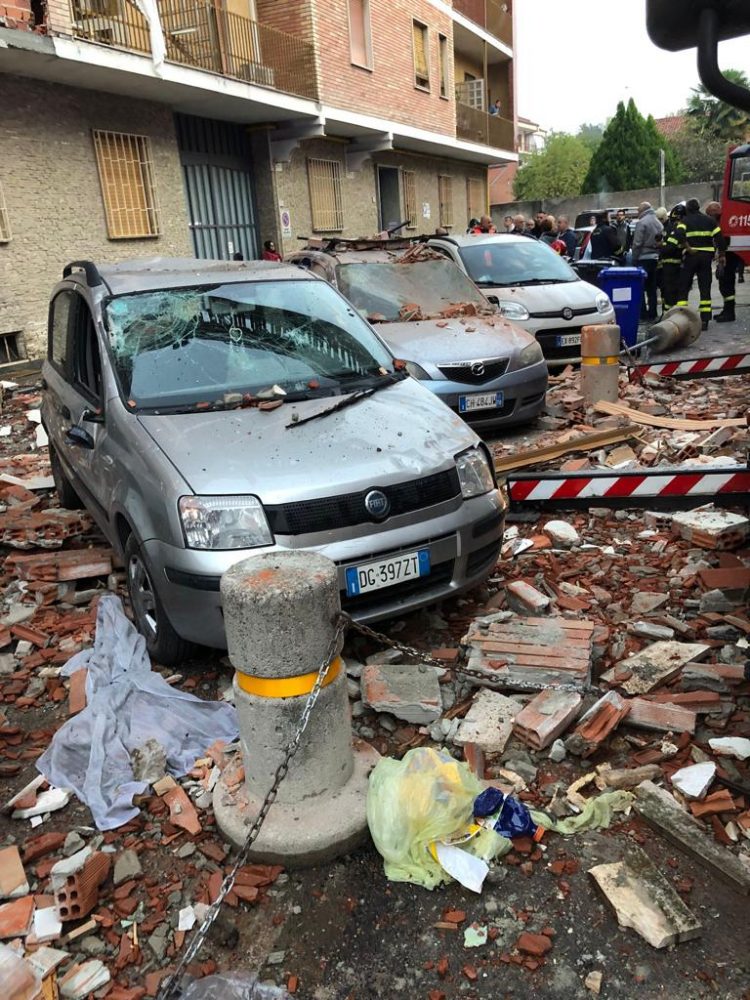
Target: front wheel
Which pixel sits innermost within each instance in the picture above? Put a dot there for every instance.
(163, 643)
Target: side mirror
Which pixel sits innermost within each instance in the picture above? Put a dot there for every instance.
(92, 417)
(79, 437)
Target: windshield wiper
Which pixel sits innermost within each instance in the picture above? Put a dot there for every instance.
(350, 400)
(540, 281)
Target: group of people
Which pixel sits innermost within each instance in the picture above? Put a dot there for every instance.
(674, 249)
(556, 232)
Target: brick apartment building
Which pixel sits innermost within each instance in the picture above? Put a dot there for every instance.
(205, 127)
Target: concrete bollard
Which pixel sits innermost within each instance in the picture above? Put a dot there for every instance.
(600, 363)
(279, 613)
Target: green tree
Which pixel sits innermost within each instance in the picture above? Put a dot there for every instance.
(628, 156)
(717, 118)
(701, 154)
(555, 172)
(591, 135)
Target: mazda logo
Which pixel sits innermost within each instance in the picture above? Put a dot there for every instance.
(377, 504)
(567, 313)
(477, 368)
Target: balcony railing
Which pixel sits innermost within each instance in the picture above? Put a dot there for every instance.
(492, 15)
(200, 34)
(488, 130)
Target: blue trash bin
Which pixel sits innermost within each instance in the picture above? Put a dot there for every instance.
(624, 287)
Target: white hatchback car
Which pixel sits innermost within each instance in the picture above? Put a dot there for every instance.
(533, 286)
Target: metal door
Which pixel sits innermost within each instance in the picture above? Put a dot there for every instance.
(217, 170)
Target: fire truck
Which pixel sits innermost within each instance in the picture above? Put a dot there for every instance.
(735, 202)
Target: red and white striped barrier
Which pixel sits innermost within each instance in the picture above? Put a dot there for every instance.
(691, 487)
(727, 364)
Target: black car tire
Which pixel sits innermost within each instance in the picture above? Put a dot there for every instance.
(67, 496)
(164, 645)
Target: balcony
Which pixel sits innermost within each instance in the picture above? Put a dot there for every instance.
(198, 33)
(492, 15)
(487, 130)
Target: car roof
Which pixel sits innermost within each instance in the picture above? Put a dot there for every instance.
(146, 273)
(478, 239)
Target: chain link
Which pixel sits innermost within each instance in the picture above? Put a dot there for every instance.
(171, 985)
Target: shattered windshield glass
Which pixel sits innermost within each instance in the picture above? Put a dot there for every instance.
(523, 263)
(389, 292)
(184, 346)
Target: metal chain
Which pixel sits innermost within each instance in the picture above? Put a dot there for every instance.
(171, 985)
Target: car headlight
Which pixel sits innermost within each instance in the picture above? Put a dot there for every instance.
(416, 372)
(474, 473)
(602, 303)
(224, 523)
(530, 355)
(512, 310)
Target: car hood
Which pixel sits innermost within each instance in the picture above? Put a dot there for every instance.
(443, 341)
(545, 298)
(398, 434)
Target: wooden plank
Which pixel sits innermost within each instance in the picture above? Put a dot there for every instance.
(663, 813)
(670, 423)
(587, 442)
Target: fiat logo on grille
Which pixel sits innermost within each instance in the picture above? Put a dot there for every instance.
(477, 368)
(377, 504)
(567, 313)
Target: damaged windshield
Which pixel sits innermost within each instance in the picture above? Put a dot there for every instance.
(390, 292)
(184, 346)
(524, 263)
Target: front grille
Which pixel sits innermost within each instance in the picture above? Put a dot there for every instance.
(439, 576)
(462, 371)
(557, 313)
(308, 516)
(550, 349)
(483, 558)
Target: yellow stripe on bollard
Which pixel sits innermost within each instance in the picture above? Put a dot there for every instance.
(285, 687)
(610, 360)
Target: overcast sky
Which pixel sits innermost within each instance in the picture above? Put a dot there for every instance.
(575, 59)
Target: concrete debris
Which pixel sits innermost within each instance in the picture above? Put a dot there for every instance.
(731, 746)
(695, 780)
(709, 528)
(403, 690)
(562, 534)
(525, 599)
(489, 722)
(656, 664)
(12, 875)
(597, 723)
(644, 900)
(546, 716)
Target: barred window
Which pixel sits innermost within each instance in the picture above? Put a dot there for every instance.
(445, 200)
(475, 197)
(326, 200)
(421, 55)
(128, 191)
(5, 233)
(409, 182)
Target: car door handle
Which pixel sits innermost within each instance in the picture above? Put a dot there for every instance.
(44, 384)
(65, 413)
(107, 460)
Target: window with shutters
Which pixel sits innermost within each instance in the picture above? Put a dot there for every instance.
(421, 55)
(360, 39)
(409, 183)
(4, 219)
(443, 64)
(445, 200)
(326, 201)
(475, 198)
(127, 181)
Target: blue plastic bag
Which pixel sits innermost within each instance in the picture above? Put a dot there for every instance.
(513, 817)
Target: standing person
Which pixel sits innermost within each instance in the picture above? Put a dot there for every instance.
(508, 223)
(701, 240)
(538, 220)
(671, 258)
(497, 108)
(604, 241)
(727, 274)
(519, 224)
(549, 232)
(568, 237)
(646, 247)
(623, 231)
(485, 225)
(270, 252)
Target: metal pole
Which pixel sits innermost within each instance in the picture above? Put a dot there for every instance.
(662, 175)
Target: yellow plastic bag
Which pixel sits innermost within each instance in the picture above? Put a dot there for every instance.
(411, 803)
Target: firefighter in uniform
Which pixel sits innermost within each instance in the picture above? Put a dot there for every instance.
(700, 240)
(727, 274)
(671, 258)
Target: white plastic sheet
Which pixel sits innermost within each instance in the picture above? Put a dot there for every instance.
(126, 704)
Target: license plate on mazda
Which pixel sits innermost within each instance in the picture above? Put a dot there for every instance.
(387, 572)
(568, 339)
(480, 401)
